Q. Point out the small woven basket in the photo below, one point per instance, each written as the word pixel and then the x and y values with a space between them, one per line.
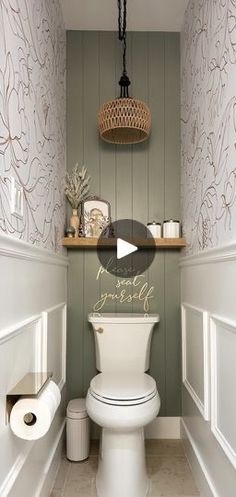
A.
pixel 124 121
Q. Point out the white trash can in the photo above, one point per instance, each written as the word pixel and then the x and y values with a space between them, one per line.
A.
pixel 77 430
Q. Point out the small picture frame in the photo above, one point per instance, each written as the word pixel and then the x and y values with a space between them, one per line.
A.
pixel 95 217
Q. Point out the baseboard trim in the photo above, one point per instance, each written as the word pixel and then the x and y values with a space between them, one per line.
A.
pixel 163 427
pixel 197 464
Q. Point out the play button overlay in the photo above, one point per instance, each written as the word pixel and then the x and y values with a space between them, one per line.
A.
pixel 124 248
pixel 121 248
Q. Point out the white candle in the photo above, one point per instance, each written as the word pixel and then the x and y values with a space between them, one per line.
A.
pixel 155 230
pixel 171 229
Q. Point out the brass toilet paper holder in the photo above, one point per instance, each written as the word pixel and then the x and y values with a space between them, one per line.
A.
pixel 30 385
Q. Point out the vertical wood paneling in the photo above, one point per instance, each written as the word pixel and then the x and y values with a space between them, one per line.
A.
pixel 124 154
pixel 91 105
pixel 138 182
pixel 124 161
pixel 75 153
pixel 171 210
pixel 140 157
pixel 156 146
pixel 107 88
pixel 107 84
pixel 91 47
pixel 91 294
pixel 75 326
pixel 156 195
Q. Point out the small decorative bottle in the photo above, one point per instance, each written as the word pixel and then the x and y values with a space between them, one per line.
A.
pixel 74 222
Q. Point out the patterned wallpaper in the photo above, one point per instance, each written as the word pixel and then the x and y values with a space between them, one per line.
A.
pixel 32 118
pixel 208 44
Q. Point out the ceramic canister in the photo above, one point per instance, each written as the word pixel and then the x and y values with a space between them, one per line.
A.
pixel 155 229
pixel 171 229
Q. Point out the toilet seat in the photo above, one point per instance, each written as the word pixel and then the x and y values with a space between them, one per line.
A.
pixel 123 389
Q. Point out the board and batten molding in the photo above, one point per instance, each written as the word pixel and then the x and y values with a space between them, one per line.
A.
pixel 24 334
pixel 223 383
pixel 14 471
pixel 39 360
pixel 54 321
pixel 197 329
pixel 197 463
pixel 208 283
pixel 35 289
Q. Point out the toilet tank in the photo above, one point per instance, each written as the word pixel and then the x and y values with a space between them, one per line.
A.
pixel 122 341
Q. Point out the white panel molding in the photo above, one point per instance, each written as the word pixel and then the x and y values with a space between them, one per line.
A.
pixel 204 407
pixel 40 364
pixel 44 341
pixel 221 438
pixel 14 472
pixel 62 306
pixel 197 463
pixel 223 253
pixel 17 328
pixel 49 472
pixel 64 342
pixel 12 247
pixel 38 351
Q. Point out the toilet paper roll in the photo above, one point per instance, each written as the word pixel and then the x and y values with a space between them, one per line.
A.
pixel 31 418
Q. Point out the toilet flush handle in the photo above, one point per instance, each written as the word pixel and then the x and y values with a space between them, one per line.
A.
pixel 99 330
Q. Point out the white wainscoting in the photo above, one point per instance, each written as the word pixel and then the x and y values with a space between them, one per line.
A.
pixel 20 352
pixel 208 290
pixel 33 297
pixel 195 356
pixel 223 388
pixel 54 320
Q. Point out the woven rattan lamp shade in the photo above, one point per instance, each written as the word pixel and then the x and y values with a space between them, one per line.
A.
pixel 124 121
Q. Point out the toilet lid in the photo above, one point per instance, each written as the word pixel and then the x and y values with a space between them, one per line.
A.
pixel 123 388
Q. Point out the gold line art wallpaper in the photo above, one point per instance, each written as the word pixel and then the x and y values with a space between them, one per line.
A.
pixel 209 124
pixel 32 119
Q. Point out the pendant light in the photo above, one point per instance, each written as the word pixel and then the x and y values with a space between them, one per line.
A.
pixel 124 120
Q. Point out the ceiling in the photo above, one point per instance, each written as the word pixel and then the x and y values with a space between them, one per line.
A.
pixel 142 15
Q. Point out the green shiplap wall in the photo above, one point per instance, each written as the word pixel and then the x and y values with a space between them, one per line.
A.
pixel 140 182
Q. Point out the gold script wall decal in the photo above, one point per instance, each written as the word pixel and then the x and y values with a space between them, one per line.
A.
pixel 126 290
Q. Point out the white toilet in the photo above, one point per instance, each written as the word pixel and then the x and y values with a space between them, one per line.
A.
pixel 122 399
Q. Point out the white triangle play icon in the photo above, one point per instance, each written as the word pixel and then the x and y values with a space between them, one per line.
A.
pixel 124 248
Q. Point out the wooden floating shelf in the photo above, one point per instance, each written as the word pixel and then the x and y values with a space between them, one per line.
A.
pixel 91 243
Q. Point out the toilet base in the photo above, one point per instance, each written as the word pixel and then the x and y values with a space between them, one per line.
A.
pixel 122 466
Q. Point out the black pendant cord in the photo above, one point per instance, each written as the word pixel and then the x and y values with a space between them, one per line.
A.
pixel 124 80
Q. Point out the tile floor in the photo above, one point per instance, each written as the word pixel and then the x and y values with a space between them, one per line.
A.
pixel 167 466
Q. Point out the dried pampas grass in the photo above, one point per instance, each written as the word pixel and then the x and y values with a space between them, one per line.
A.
pixel 77 187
